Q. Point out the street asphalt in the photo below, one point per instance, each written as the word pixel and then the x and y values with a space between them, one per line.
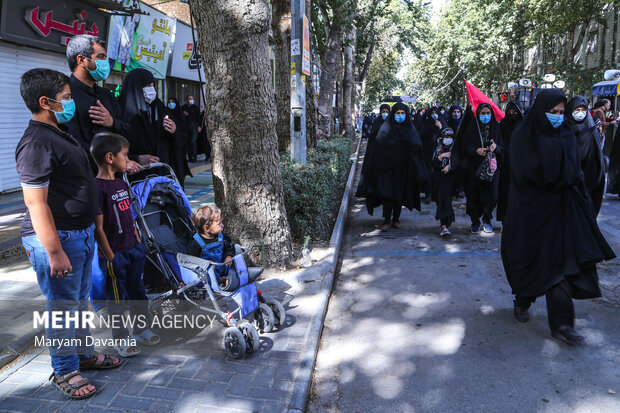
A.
pixel 417 323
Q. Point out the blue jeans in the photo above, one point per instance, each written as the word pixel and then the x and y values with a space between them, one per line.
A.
pixel 70 294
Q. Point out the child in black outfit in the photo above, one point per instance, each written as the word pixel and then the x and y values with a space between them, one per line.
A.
pixel 443 180
pixel 121 255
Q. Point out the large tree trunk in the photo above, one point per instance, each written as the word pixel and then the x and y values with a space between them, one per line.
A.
pixel 312 122
pixel 281 28
pixel 328 78
pixel 242 114
pixel 348 87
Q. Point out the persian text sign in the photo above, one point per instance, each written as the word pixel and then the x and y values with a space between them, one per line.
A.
pixel 185 55
pixel 306 56
pixel 50 24
pixel 141 41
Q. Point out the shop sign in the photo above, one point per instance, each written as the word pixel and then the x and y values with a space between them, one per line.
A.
pixel 185 55
pixel 50 24
pixel 141 41
pixel 306 55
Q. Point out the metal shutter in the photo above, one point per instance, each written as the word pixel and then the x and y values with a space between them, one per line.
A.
pixel 14 116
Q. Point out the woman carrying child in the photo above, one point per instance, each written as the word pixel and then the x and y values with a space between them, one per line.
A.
pixel 444 165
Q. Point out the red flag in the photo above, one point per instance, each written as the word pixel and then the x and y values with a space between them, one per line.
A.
pixel 476 97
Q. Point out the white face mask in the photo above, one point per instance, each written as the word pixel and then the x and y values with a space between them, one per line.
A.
pixel 448 141
pixel 579 115
pixel 150 94
pixel 191 101
pixel 384 115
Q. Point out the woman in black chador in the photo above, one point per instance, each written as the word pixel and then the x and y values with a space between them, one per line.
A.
pixel 514 115
pixel 550 242
pixel 430 125
pixel 384 110
pixel 394 168
pixel 152 126
pixel 482 145
pixel 613 174
pixel 580 121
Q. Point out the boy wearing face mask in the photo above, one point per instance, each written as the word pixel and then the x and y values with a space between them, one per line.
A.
pixel 58 230
pixel 444 165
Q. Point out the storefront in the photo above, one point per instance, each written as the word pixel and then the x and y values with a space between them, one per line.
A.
pixel 183 79
pixel 140 41
pixel 34 33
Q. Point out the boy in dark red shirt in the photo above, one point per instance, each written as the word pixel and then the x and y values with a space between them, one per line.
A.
pixel 121 255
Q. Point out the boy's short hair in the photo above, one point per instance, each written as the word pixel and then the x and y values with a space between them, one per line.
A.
pixel 106 142
pixel 205 216
pixel 39 82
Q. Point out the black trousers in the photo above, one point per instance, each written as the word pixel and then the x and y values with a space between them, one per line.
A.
pixel 481 201
pixel 391 210
pixel 560 309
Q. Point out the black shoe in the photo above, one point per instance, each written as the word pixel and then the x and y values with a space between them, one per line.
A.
pixel 568 335
pixel 521 314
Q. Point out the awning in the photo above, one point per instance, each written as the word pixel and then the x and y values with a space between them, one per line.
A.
pixel 607 88
pixel 122 7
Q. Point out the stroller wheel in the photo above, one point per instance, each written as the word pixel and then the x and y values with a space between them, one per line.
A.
pixel 252 340
pixel 234 342
pixel 263 318
pixel 278 312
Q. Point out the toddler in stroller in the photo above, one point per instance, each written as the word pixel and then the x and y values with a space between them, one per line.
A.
pixel 191 263
pixel 211 244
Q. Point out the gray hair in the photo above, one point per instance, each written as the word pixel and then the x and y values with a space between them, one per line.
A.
pixel 80 45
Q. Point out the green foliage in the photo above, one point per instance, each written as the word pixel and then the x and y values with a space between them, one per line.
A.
pixel 312 191
pixel 388 29
pixel 484 42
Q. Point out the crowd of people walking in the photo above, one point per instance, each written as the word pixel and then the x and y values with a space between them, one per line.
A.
pixel 541 170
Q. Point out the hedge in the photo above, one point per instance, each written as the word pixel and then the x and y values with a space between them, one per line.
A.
pixel 312 192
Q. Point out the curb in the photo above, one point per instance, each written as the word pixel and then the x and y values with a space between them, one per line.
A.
pixel 326 267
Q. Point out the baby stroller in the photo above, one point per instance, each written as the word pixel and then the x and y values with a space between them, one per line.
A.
pixel 164 220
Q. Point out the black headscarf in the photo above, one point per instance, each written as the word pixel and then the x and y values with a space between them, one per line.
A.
pixel 478 135
pixel 131 98
pixel 454 123
pixel 507 127
pixel 542 153
pixel 376 125
pixel 508 124
pixel 148 135
pixel 394 167
pixel 590 151
pixel 550 232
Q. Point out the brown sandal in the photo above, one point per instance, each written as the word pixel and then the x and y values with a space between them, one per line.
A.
pixel 106 363
pixel 69 389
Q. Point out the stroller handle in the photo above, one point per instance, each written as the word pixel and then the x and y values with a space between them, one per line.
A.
pixel 126 176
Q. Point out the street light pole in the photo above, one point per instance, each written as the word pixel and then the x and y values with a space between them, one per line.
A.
pixel 298 82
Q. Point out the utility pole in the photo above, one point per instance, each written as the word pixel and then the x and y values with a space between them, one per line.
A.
pixel 300 51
